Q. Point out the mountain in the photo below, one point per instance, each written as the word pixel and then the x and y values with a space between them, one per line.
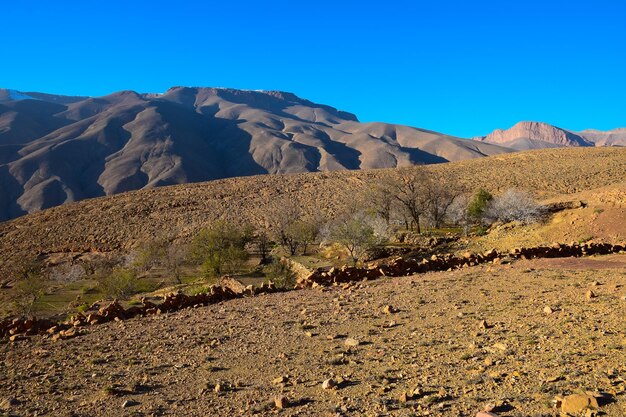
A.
pixel 57 149
pixel 537 135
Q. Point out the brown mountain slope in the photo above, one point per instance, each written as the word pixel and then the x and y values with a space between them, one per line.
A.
pixel 535 135
pixel 56 149
pixel 119 222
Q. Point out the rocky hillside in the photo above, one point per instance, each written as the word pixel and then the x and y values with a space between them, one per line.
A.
pixel 534 135
pixel 58 149
pixel 120 222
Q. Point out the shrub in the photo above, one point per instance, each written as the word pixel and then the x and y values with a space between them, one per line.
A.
pixel 27 292
pixel 119 283
pixel 281 274
pixel 514 205
pixel 220 248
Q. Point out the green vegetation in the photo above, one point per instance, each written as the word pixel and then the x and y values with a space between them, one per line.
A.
pixel 356 234
pixel 28 292
pixel 220 248
pixel 281 274
pixel 119 283
pixel 478 205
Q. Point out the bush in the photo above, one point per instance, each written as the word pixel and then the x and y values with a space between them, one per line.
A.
pixel 281 274
pixel 514 205
pixel 220 248
pixel 119 283
pixel 27 292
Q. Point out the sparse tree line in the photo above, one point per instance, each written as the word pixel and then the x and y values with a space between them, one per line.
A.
pixel 415 201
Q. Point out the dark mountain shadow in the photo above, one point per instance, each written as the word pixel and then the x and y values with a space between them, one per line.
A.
pixel 10 190
pixel 346 156
pixel 210 147
pixel 418 156
pixel 33 120
pixel 9 153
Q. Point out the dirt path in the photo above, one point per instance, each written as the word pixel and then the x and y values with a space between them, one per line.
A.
pixel 433 346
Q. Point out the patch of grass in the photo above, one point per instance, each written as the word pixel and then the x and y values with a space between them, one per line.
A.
pixel 82 308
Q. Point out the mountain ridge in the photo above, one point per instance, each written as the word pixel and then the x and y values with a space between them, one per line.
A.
pixel 56 149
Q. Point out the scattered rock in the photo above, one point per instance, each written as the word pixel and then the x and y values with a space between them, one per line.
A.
pixel 16 337
pixel 129 403
pixel 7 403
pixel 329 384
pixel 486 414
pixel 280 380
pixel 577 403
pixel 280 402
pixel 590 294
pixel 500 346
pixel 350 342
pixel 389 309
pixel 548 310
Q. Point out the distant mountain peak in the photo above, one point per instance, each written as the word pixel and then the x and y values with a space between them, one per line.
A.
pixel 533 135
pixel 7 94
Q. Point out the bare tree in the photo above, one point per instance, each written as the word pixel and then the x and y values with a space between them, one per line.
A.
pixel 458 213
pixel 380 198
pixel 410 191
pixel 292 229
pixel 439 197
pixel 175 258
pixel 514 205
pixel 355 233
pixel 281 220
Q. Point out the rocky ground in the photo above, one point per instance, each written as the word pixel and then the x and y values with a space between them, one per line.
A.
pixel 509 338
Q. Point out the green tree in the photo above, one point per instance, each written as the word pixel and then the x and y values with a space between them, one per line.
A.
pixel 478 204
pixel 27 292
pixel 150 255
pixel 119 283
pixel 220 248
pixel 303 233
pixel 356 234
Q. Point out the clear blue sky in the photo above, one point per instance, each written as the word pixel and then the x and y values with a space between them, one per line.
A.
pixel 459 67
